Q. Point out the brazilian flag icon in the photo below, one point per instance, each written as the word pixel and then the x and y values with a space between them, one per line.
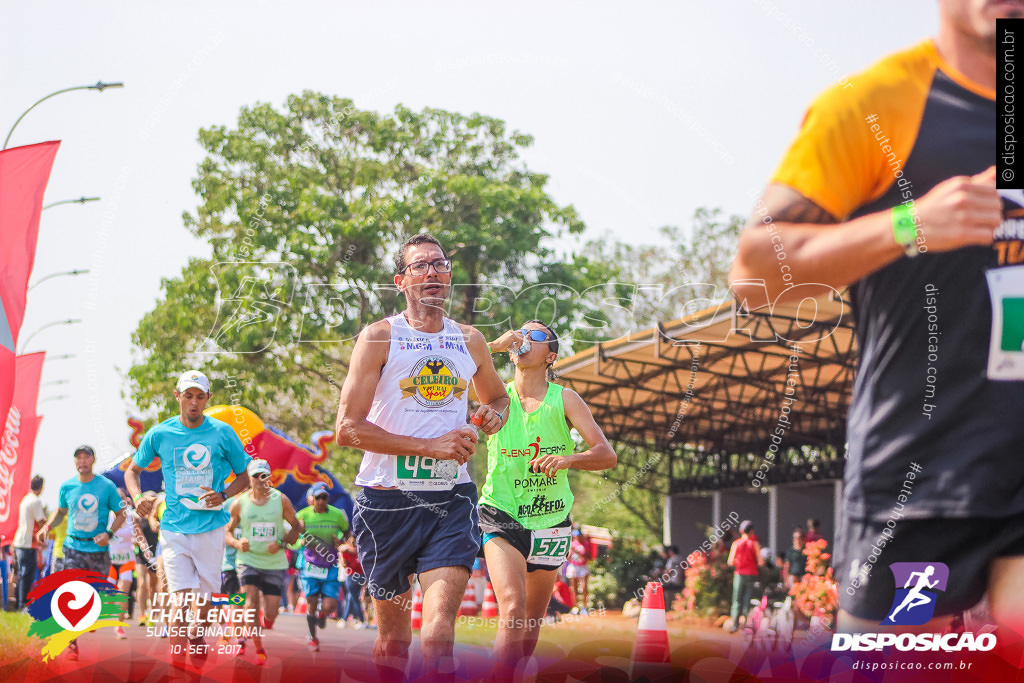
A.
pixel 237 599
pixel 1013 324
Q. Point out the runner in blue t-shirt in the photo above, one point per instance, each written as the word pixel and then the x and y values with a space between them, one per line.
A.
pixel 88 501
pixel 197 454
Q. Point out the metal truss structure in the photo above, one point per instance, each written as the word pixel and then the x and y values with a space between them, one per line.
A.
pixel 705 402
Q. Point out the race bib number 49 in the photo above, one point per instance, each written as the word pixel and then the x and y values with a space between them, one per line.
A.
pixel 417 473
pixel 550 546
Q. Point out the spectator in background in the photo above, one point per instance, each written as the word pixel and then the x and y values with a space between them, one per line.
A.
pixel 673 576
pixel 354 580
pixel 576 569
pixel 31 516
pixel 58 534
pixel 562 600
pixel 813 527
pixel 796 561
pixel 745 558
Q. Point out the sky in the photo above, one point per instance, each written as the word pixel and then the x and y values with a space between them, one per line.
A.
pixel 640 115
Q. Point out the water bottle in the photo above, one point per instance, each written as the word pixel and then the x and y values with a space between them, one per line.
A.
pixel 474 424
pixel 523 348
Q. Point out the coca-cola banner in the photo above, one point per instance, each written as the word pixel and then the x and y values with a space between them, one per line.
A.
pixel 18 441
pixel 24 172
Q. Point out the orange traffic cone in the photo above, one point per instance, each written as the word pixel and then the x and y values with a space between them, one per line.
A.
pixel 417 609
pixel 490 608
pixel 301 607
pixel 650 650
pixel 468 608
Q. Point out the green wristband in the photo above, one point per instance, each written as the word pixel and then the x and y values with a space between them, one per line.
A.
pixel 904 229
pixel 135 499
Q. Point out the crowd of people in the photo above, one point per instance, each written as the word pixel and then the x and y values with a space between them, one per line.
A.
pixel 219 528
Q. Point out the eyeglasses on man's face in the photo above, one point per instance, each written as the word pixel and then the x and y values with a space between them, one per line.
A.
pixel 441 265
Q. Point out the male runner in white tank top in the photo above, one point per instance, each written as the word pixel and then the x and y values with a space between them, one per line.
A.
pixel 405 403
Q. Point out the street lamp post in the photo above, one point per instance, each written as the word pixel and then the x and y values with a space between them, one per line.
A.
pixel 77 271
pixel 100 86
pixel 80 200
pixel 69 321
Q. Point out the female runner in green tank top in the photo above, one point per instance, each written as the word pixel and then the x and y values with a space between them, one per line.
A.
pixel 525 503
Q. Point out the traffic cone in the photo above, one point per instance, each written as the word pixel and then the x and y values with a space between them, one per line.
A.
pixel 468 608
pixel 650 650
pixel 301 607
pixel 490 608
pixel 417 609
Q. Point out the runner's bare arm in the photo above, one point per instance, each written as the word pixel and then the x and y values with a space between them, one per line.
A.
pixel 55 519
pixel 289 516
pixel 785 242
pixel 134 488
pixel 229 530
pixel 354 430
pixel 489 388
pixel 119 519
pixel 599 456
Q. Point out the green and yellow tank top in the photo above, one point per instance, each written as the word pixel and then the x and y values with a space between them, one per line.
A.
pixel 535 500
pixel 262 524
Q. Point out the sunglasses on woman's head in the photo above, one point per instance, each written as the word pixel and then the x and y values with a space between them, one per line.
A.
pixel 534 335
pixel 262 476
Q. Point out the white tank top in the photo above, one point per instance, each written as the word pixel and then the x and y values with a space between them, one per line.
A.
pixel 422 392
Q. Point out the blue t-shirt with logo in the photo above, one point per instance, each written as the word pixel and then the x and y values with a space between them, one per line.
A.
pixel 89 505
pixel 191 459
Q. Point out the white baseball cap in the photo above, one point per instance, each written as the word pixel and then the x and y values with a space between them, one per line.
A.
pixel 193 378
pixel 258 466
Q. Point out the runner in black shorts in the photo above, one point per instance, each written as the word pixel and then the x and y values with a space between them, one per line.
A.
pixel 889 190
pixel 525 504
pixel 405 403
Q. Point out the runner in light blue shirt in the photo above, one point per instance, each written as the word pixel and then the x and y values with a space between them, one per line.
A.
pixel 197 453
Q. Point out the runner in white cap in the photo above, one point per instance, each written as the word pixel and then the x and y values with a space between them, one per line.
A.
pixel 197 453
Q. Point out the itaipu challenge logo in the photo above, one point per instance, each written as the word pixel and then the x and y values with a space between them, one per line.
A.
pixel 72 602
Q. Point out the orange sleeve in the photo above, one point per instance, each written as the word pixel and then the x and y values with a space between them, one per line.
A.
pixel 857 135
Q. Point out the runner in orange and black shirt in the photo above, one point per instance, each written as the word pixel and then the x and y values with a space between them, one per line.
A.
pixel 889 190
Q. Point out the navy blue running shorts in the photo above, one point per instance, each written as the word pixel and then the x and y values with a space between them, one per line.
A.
pixel 400 533
pixel 864 551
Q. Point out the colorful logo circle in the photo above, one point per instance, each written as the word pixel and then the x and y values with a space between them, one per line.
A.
pixel 76 606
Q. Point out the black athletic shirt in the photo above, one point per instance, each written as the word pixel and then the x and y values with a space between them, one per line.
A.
pixel 888 136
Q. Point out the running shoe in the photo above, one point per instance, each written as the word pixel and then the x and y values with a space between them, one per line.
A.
pixel 261 657
pixel 119 633
pixel 241 646
pixel 342 623
pixel 313 643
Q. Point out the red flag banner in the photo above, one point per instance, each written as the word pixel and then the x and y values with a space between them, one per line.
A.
pixel 18 441
pixel 24 172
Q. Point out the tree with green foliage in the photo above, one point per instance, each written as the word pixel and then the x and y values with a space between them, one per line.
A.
pixel 304 209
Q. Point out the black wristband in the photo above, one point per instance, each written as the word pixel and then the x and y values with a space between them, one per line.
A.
pixel 222 494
